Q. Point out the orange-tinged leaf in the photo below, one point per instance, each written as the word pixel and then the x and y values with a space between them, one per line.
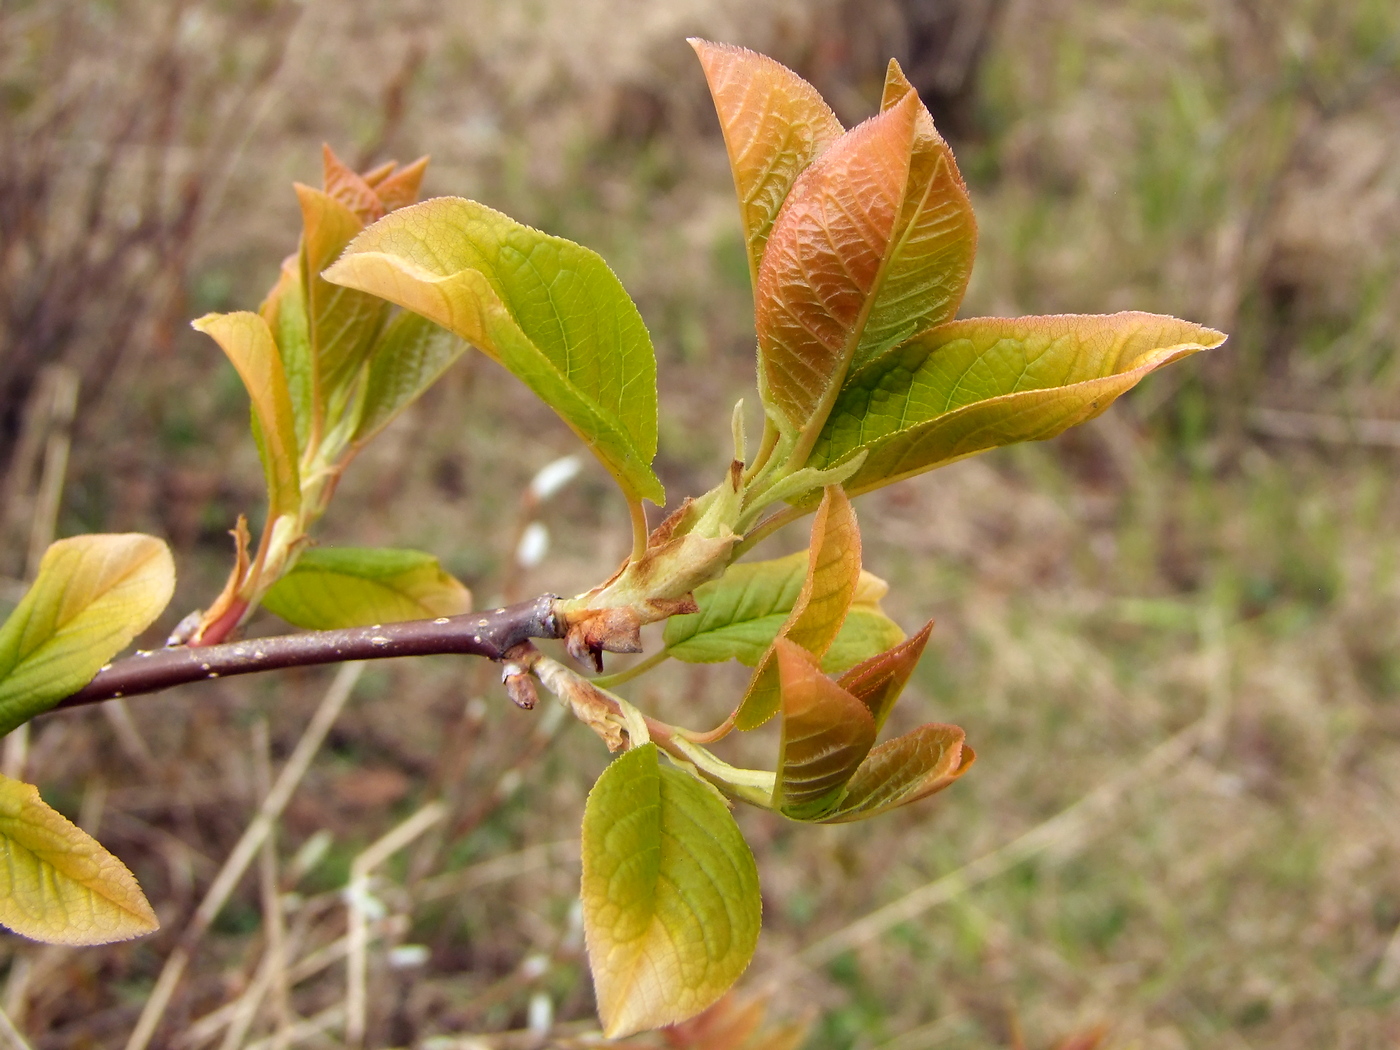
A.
pixel 833 573
pixel 57 884
pixel 376 175
pixel 823 263
pixel 826 734
pixel 878 681
pixel 284 310
pixel 775 124
pixel 935 240
pixel 343 322
pixel 400 189
pixel 904 770
pixel 968 386
pixel 342 184
pixel 247 341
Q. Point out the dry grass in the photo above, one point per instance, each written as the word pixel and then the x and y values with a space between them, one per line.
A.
pixel 1176 568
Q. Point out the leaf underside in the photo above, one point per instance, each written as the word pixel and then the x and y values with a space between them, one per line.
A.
pixel 903 770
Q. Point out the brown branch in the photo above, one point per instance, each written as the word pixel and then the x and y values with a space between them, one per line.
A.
pixel 490 634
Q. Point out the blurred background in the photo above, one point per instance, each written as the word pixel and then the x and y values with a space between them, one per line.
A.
pixel 1171 635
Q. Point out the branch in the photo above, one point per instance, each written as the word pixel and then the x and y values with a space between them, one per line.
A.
pixel 490 634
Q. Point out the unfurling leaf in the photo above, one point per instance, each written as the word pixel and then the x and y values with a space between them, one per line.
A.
pixel 903 770
pixel 968 386
pixel 878 681
pixel 343 322
pixel 92 596
pixel 742 612
pixel 775 124
pixel 247 341
pixel 823 263
pixel 670 895
pixel 57 884
pixel 826 734
pixel 549 310
pixel 284 310
pixel 332 587
pixel 408 358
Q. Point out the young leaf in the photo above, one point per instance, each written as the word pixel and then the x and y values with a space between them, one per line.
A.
pixel 671 906
pixel 878 681
pixel 929 260
pixel 332 587
pixel 826 734
pixel 823 263
pixel 833 572
pixel 57 884
pixel 398 189
pixel 968 386
pixel 284 310
pixel 775 124
pixel 865 632
pixel 408 358
pixel 245 338
pixel 903 770
pixel 93 594
pixel 548 309
pixel 343 322
pixel 743 611
pixel 346 186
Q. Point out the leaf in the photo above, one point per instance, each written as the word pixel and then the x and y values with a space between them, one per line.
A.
pixel 671 906
pixel 930 257
pixel 826 734
pixel 742 612
pixel 548 309
pixel 57 884
pixel 343 322
pixel 284 310
pixel 343 185
pixel 398 189
pixel 408 358
pixel 332 587
pixel 865 632
pixel 968 386
pixel 878 681
pixel 833 572
pixel 904 770
pixel 823 264
pixel 247 342
pixel 775 124
pixel 92 596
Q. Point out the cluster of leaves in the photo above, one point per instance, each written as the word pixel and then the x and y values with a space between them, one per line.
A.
pixel 860 245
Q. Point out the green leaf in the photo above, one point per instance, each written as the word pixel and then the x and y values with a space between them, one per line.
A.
pixel 245 338
pixel 57 884
pixel 826 733
pixel 743 611
pixel 902 771
pixel 332 587
pixel 878 681
pixel 833 574
pixel 548 309
pixel 92 596
pixel 865 632
pixel 671 906
pixel 408 358
pixel 775 124
pixel 968 386
pixel 343 322
pixel 284 310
